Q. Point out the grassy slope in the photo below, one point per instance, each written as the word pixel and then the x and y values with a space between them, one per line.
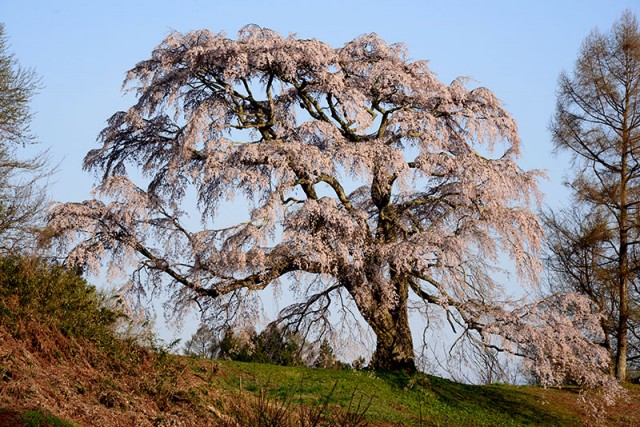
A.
pixel 59 360
pixel 396 399
pixel 77 386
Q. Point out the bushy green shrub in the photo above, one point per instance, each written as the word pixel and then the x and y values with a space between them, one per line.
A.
pixel 32 289
pixel 272 345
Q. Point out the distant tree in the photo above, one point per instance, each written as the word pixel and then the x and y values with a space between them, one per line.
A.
pixel 233 347
pixel 326 358
pixel 598 122
pixel 17 86
pixel 277 346
pixel 21 196
pixel 367 181
pixel 272 345
pixel 203 343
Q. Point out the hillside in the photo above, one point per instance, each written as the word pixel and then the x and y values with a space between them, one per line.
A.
pixel 50 374
pixel 61 364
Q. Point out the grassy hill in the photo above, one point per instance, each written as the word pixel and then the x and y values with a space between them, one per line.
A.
pixel 62 364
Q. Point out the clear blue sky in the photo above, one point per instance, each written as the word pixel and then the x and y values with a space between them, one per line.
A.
pixel 82 50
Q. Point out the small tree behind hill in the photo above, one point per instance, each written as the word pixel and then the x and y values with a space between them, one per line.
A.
pixel 204 343
pixel 325 357
pixel 272 345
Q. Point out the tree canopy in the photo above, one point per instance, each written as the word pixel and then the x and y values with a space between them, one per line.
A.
pixel 21 194
pixel 16 89
pixel 369 184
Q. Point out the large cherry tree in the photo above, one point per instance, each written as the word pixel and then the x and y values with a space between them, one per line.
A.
pixel 366 180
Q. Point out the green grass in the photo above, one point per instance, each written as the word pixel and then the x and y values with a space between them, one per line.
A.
pixel 395 399
pixel 38 419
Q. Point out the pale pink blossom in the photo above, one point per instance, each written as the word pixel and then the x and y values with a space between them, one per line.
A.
pixel 361 169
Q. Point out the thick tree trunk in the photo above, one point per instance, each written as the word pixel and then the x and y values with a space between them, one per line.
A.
pixel 390 323
pixel 388 319
pixel 394 345
pixel 607 345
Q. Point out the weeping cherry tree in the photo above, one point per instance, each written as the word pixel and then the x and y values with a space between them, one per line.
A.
pixel 368 184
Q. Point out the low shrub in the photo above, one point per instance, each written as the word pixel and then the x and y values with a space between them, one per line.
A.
pixel 33 290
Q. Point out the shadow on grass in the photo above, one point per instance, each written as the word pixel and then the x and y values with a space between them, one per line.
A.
pixel 401 399
pixel 505 401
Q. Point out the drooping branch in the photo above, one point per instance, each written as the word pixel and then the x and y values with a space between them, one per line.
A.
pixel 290 127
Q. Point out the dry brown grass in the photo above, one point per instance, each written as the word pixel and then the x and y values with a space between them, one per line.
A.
pixel 60 356
pixel 72 379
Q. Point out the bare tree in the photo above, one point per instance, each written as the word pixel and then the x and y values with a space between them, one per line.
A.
pixel 17 86
pixel 22 196
pixel 204 343
pixel 598 122
pixel 367 180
